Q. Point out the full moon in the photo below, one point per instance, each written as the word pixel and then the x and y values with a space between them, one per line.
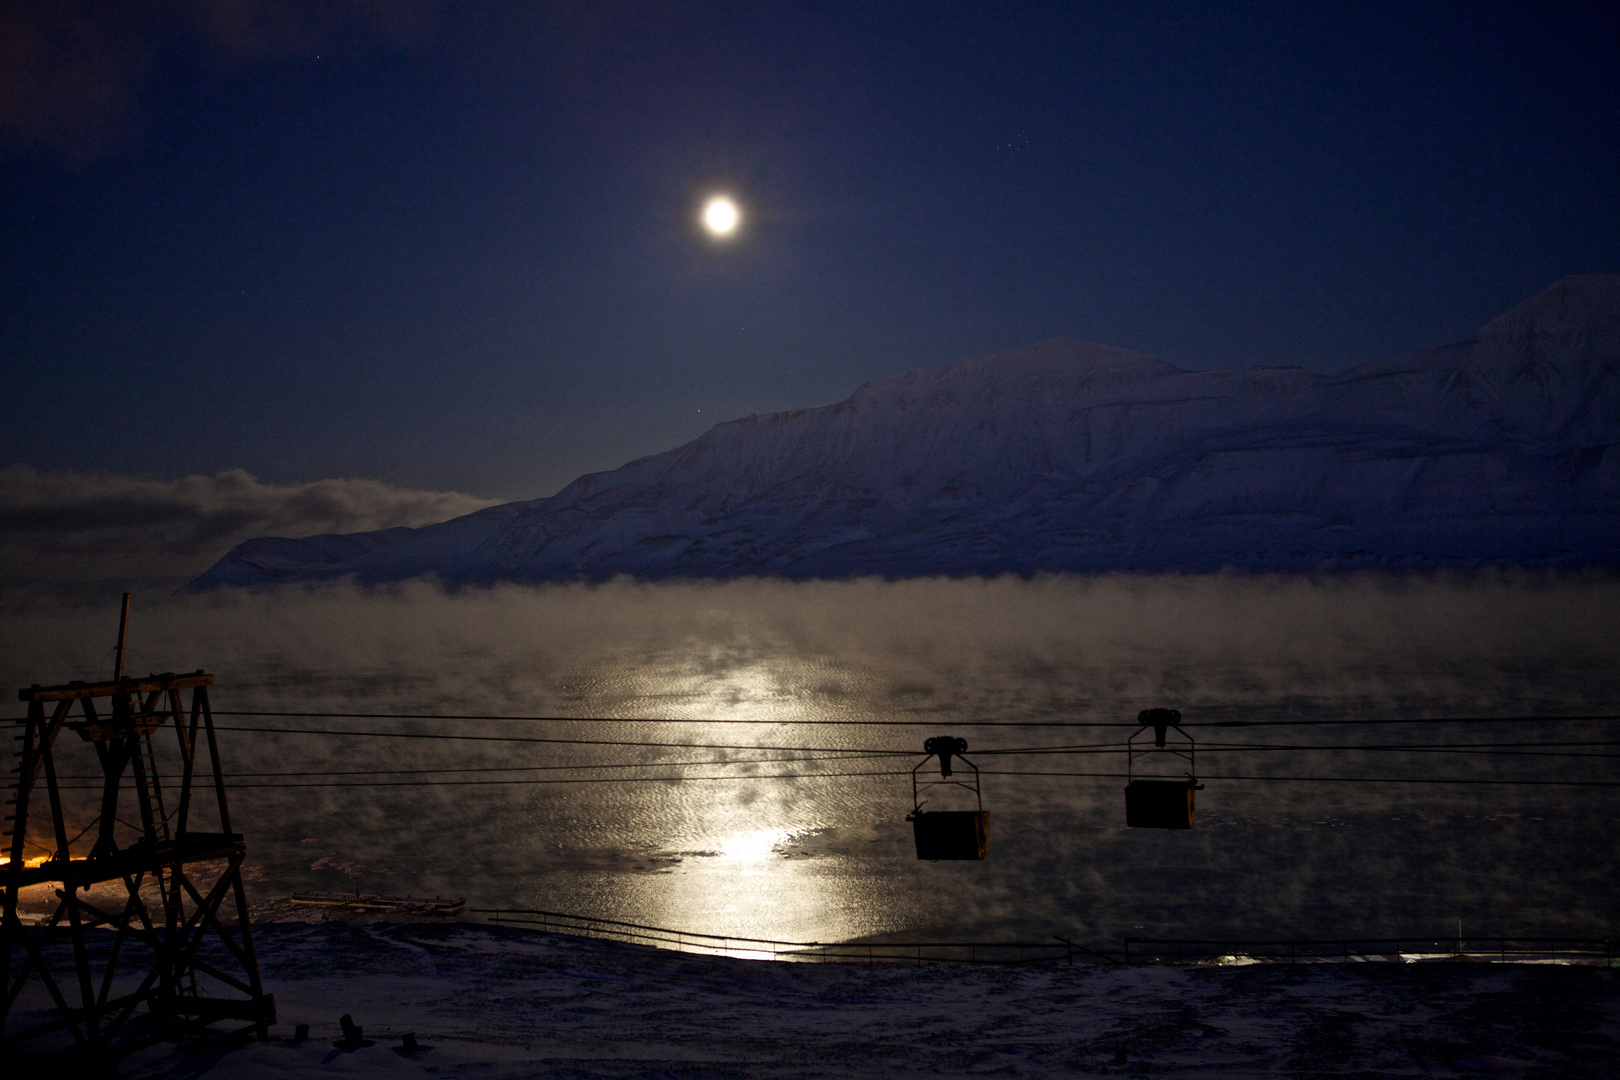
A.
pixel 720 216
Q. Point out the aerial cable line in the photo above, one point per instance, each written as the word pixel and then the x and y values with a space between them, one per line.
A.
pixel 1419 749
pixel 426 774
pixel 667 764
pixel 1085 747
pixel 1416 720
pixel 848 752
pixel 1355 779
pixel 913 723
pixel 932 722
pixel 574 766
pixel 1486 750
pixel 874 751
pixel 1415 746
pixel 672 720
pixel 1506 750
pixel 1465 781
pixel 559 780
pixel 1112 747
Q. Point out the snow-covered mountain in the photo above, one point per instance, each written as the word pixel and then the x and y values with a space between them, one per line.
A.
pixel 1504 448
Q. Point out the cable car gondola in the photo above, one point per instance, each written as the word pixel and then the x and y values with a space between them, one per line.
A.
pixel 1160 804
pixel 948 834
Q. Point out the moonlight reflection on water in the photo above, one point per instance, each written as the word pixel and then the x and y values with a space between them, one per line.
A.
pixel 831 859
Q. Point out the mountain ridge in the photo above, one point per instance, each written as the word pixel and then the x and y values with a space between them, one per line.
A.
pixel 1065 455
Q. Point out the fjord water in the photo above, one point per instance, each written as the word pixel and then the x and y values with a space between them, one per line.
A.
pixel 831 858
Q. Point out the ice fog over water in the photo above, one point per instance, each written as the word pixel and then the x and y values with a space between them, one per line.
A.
pixel 831 858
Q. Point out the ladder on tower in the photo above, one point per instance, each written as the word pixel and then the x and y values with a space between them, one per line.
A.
pixel 154 819
pixel 10 821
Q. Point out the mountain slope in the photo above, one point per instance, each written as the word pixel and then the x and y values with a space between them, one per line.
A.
pixel 1504 448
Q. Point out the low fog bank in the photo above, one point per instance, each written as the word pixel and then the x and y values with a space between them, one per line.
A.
pixel 830 859
pixel 72 536
pixel 1094 647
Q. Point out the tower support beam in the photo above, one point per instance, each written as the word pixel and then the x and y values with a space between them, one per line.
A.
pixel 138 917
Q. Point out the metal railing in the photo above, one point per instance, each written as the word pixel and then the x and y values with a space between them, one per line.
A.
pixel 1056 950
pixel 1137 950
pixel 1140 950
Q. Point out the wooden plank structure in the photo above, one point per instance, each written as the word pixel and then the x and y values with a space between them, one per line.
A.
pixel 157 950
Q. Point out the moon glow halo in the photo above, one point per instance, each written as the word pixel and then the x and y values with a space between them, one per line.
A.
pixel 720 216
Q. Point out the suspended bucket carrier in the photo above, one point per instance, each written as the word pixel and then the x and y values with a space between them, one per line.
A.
pixel 948 834
pixel 1153 803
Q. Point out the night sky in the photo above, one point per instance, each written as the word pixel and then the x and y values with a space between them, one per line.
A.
pixel 458 247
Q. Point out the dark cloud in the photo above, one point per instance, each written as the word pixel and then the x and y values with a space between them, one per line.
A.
pixel 68 72
pixel 72 72
pixel 276 28
pixel 78 532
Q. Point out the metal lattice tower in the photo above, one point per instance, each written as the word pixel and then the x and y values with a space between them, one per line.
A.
pixel 161 892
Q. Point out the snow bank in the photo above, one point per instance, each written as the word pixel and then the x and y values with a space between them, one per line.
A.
pixel 497 1003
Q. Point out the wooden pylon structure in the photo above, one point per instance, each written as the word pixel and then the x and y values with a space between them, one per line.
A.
pixel 158 883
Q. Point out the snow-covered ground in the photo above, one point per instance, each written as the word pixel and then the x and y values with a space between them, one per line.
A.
pixel 494 1002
